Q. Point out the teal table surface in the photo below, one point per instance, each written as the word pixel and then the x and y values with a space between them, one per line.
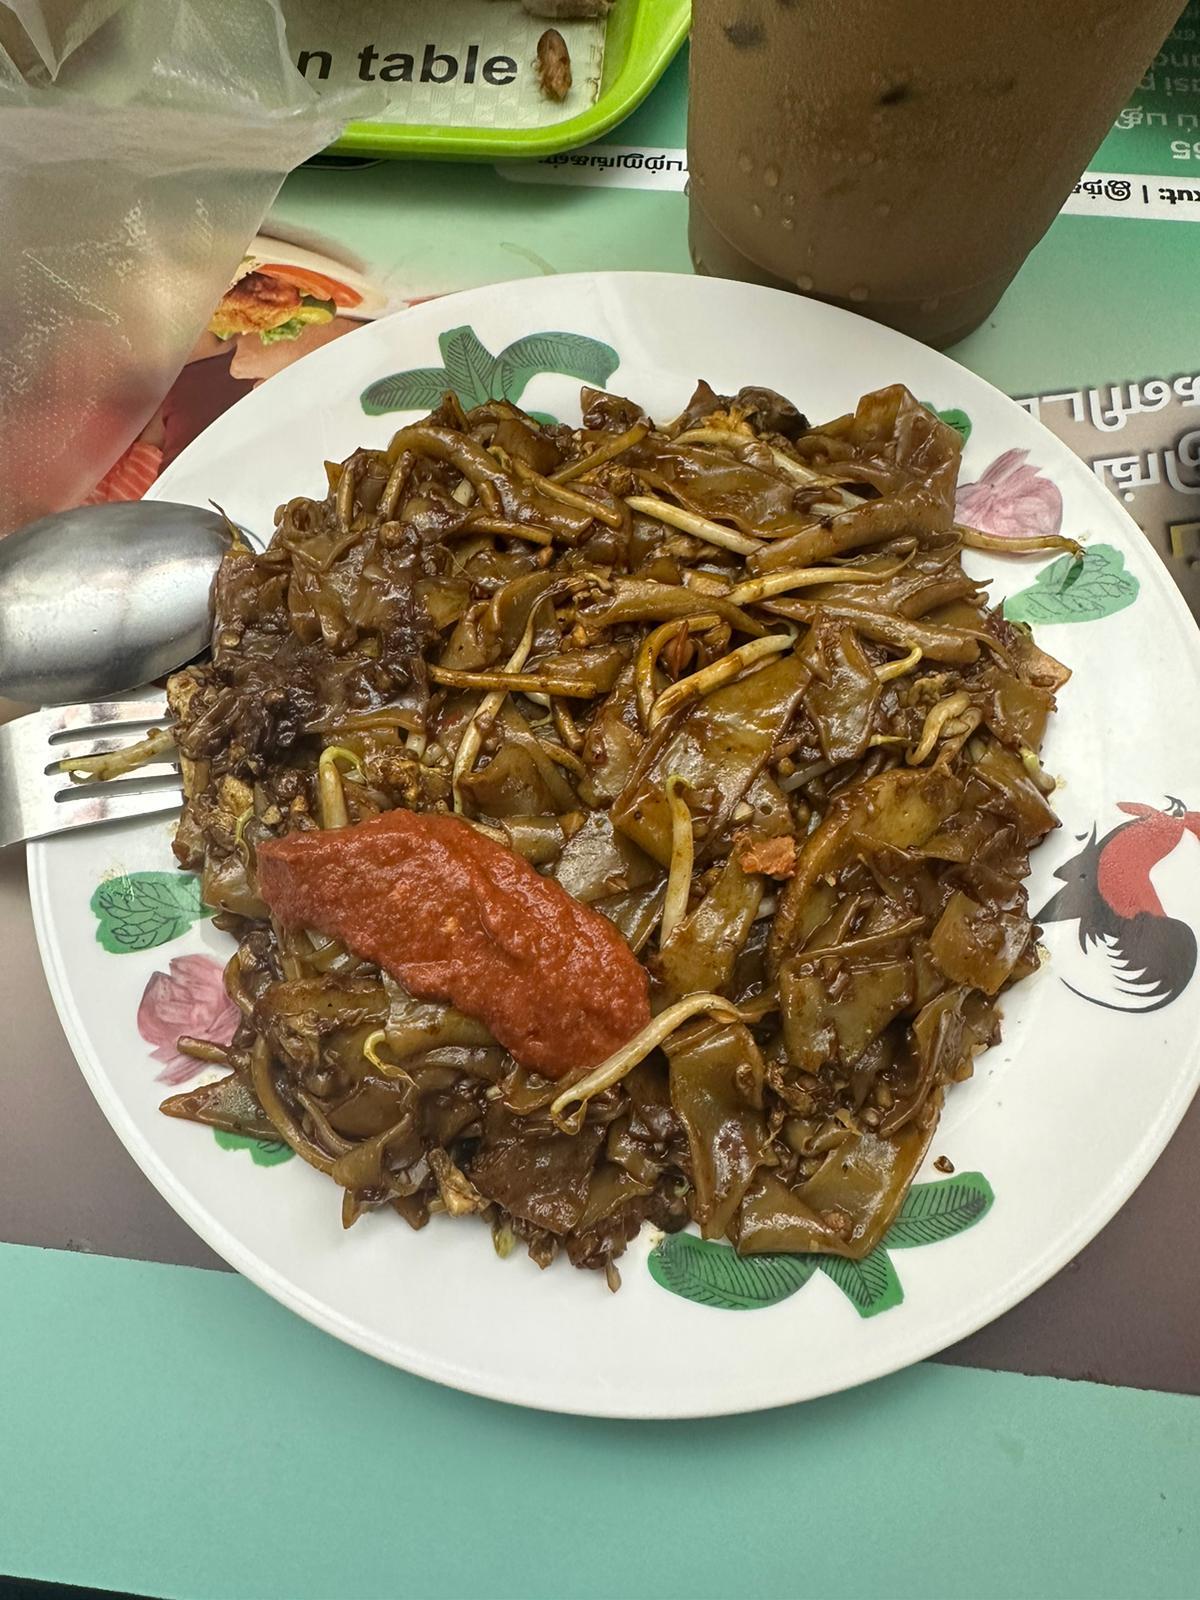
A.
pixel 174 1429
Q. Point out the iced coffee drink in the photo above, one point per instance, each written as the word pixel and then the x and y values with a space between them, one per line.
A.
pixel 900 157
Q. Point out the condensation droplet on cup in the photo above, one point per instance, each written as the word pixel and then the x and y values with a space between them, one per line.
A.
pixel 787 224
pixel 883 208
pixel 804 283
pixel 755 209
pixel 859 292
pixel 771 177
pixel 930 304
pixel 789 200
pixel 745 164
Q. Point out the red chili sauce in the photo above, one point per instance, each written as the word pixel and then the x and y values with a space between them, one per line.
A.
pixel 454 916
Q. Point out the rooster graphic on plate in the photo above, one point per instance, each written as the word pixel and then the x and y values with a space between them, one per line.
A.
pixel 1120 928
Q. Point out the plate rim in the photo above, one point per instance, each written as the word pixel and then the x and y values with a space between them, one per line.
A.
pixel 521 1389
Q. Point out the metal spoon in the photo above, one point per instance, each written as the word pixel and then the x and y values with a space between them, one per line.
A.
pixel 105 598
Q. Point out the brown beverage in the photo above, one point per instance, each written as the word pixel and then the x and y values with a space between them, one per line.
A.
pixel 900 157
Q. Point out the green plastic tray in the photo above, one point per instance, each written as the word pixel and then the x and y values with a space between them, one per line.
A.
pixel 641 38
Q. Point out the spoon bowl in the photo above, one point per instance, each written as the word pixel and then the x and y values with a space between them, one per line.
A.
pixel 105 598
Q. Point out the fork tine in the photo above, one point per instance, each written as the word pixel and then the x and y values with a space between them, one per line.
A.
pixel 63 720
pixel 36 798
pixel 96 808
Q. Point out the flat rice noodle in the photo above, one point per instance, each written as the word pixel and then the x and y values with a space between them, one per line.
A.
pixel 597 862
pixel 592 671
pixel 928 978
pixel 889 438
pixel 635 914
pixel 518 781
pixel 524 1091
pixel 646 600
pixel 332 1001
pixel 533 1171
pixel 727 1137
pixel 718 748
pixel 474 642
pixel 897 808
pixel 612 1187
pixel 725 488
pixel 1004 773
pixel 369 1109
pixel 940 1051
pixel 814 913
pixel 525 440
pixel 847 1206
pixel 634 1152
pixel 1016 711
pixel 910 575
pixel 818 1029
pixel 613 744
pixel 1034 664
pixel 870 522
pixel 649 1089
pixel 539 839
pixel 772 815
pixel 510 608
pixel 938 641
pixel 963 837
pixel 935 594
pixel 842 701
pixel 486 635
pixel 521 502
pixel 415 1026
pixel 699 955
pixel 229 1105
pixel 979 946
pixel 308 1018
pixel 453 1112
pixel 898 447
pixel 749 979
pixel 392 1160
pixel 225 886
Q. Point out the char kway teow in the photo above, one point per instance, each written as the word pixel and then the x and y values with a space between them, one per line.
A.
pixel 619 824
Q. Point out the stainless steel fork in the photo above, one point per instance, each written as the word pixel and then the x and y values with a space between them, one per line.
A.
pixel 37 796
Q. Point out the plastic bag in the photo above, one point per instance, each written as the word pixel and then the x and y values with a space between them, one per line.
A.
pixel 141 143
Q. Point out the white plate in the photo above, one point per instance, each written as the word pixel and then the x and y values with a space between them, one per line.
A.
pixel 1063 1118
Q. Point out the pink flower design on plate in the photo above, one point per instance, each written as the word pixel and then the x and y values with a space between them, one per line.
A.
pixel 1011 499
pixel 189 998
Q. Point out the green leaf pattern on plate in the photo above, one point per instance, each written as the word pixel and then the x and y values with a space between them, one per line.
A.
pixel 1076 591
pixel 571 353
pixel 477 376
pixel 958 420
pixel 711 1273
pixel 871 1285
pixel 935 1211
pixel 139 910
pixel 263 1152
pixel 421 389
pixel 471 370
